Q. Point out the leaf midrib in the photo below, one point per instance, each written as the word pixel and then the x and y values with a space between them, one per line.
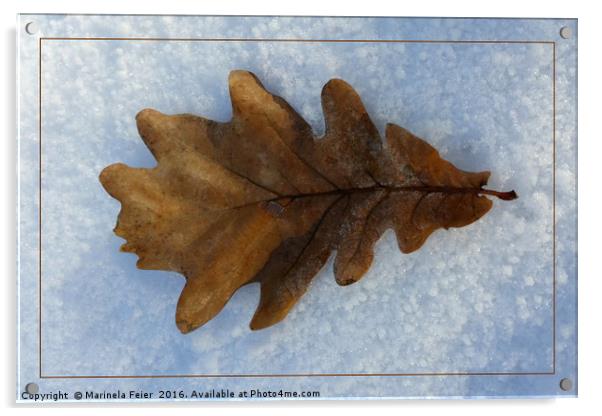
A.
pixel 410 188
pixel 427 189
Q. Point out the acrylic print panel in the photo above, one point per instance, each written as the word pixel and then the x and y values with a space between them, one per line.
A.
pixel 488 310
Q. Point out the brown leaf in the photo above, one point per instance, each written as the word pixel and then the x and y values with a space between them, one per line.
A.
pixel 260 199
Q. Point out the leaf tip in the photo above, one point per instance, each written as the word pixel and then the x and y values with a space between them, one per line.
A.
pixel 184 326
pixel 146 114
pixel 253 326
pixel 334 83
pixel 345 282
pixel 266 315
pixel 107 174
pixel 258 323
pixel 242 76
pixel 113 180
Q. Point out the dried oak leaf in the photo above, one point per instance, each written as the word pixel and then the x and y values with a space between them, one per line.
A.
pixel 260 199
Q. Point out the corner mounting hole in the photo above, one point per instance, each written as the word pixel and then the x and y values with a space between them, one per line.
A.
pixel 566 384
pixel 565 32
pixel 32 388
pixel 31 28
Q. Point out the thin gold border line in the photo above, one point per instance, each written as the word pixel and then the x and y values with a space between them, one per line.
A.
pixel 304 40
pixel 554 206
pixel 465 374
pixel 553 43
pixel 40 208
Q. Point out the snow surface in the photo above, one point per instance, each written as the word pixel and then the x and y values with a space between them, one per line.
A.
pixel 477 299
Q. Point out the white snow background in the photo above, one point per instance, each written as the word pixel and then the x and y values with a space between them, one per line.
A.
pixel 476 299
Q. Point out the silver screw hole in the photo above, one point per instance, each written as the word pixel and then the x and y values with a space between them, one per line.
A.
pixel 566 384
pixel 31 28
pixel 565 32
pixel 32 388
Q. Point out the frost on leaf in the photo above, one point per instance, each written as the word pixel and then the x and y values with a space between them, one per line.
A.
pixel 261 199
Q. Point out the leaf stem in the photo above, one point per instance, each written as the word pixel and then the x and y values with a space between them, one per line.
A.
pixel 506 196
